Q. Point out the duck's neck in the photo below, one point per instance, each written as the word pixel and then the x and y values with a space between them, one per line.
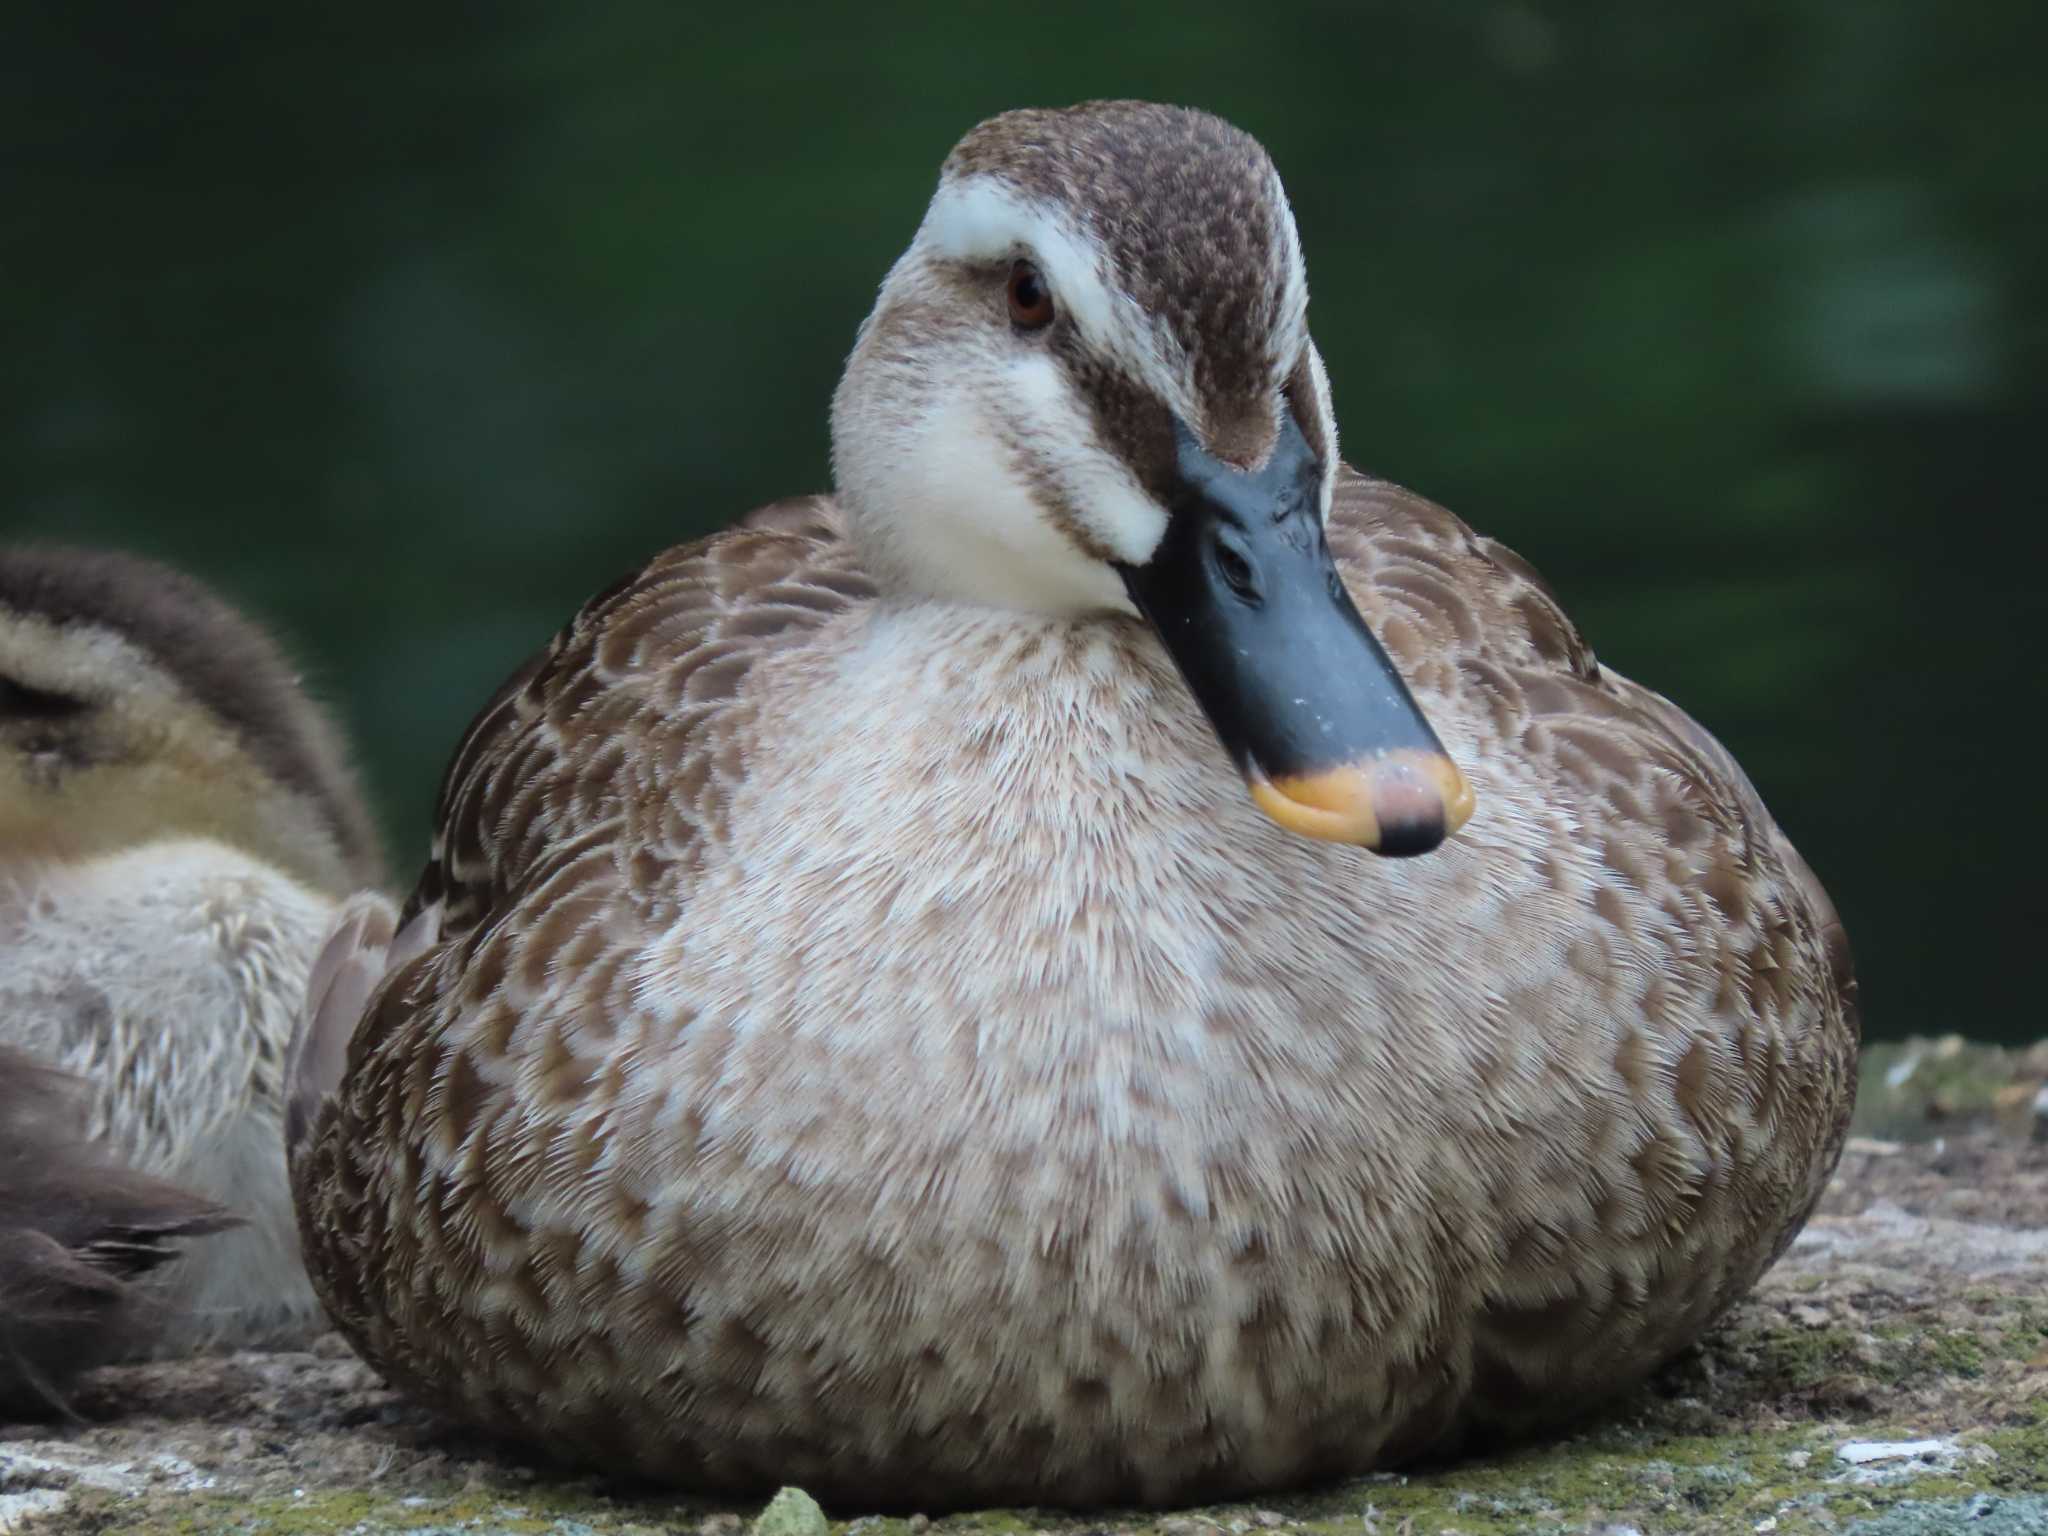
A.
pixel 957 562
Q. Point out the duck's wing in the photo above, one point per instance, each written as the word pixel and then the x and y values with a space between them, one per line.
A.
pixel 79 1236
pixel 535 785
pixel 1441 596
pixel 1492 656
pixel 607 740
pixel 1662 827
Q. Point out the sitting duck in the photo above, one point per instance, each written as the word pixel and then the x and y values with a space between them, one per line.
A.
pixel 177 823
pixel 1113 959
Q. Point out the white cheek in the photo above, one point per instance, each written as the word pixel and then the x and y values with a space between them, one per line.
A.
pixel 965 526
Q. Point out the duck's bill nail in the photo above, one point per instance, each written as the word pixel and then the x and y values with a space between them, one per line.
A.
pixel 1247 599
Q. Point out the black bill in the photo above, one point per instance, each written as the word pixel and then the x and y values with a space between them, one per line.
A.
pixel 1246 597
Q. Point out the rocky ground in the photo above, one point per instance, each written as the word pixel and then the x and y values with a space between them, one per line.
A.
pixel 1888 1378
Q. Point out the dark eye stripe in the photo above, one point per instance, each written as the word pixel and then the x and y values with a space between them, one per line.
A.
pixel 18 701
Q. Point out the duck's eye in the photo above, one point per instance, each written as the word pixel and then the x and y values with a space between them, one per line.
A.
pixel 18 701
pixel 1030 299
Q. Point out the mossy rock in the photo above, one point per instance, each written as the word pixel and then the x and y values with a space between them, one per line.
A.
pixel 1869 1330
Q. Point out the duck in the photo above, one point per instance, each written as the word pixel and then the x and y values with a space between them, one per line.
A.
pixel 81 1241
pixel 178 822
pixel 1111 960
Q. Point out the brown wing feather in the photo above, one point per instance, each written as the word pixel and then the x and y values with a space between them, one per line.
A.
pixel 1688 901
pixel 689 623
pixel 1472 624
pixel 1442 596
pixel 79 1235
pixel 603 763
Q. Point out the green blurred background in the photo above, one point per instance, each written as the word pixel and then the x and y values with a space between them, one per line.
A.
pixel 409 326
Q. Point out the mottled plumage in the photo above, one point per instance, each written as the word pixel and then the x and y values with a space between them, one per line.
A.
pixel 855 1033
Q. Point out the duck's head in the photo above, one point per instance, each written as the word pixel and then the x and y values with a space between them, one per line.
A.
pixel 135 707
pixel 1089 386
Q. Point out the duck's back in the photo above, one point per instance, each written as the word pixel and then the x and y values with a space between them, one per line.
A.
pixel 1713 1073
pixel 877 1046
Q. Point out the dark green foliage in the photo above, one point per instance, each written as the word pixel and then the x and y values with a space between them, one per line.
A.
pixel 410 327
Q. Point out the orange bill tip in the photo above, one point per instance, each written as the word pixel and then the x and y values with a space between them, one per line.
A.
pixel 1396 803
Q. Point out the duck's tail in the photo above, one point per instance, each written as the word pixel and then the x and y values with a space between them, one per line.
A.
pixel 79 1235
pixel 352 960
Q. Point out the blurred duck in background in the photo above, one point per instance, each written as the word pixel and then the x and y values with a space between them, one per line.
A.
pixel 177 820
